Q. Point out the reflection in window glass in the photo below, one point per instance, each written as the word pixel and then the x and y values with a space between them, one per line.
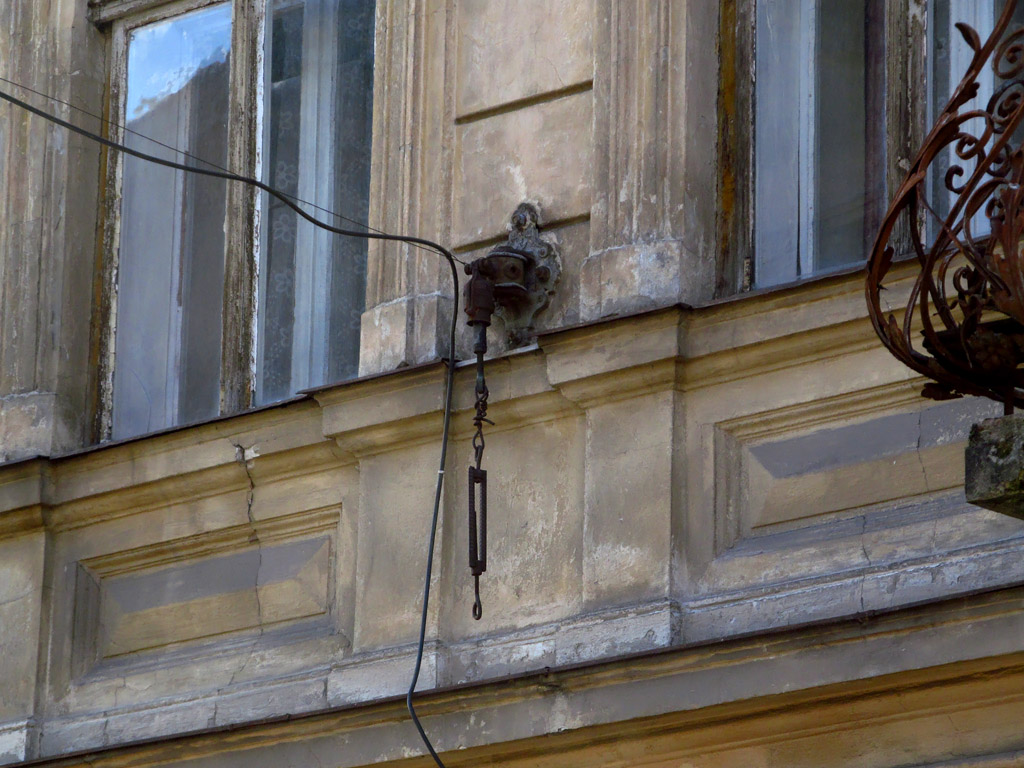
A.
pixel 819 135
pixel 171 258
pixel 319 87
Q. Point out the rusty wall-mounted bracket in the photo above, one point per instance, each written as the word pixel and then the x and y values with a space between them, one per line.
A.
pixel 514 281
pixel 524 270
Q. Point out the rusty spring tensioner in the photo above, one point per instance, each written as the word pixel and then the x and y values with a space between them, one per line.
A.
pixel 478 295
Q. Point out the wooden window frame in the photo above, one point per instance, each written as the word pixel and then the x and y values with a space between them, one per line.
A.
pixel 905 96
pixel 242 205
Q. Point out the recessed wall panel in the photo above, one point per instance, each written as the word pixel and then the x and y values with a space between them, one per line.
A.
pixel 207 588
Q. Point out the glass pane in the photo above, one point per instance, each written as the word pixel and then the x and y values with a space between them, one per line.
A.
pixel 277 270
pixel 819 159
pixel 841 194
pixel 319 89
pixel 777 140
pixel 171 262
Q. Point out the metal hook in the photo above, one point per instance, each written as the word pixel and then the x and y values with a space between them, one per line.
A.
pixel 478 608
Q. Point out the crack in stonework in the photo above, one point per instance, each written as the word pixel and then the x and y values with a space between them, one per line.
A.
pixel 21 596
pixel 121 687
pixel 867 557
pixel 863 543
pixel 316 758
pixel 917 451
pixel 240 457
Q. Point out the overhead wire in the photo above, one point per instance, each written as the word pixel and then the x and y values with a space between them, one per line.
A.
pixel 374 234
pixel 280 194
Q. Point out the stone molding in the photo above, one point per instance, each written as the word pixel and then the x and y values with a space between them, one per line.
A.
pixel 48 221
pixel 672 348
pixel 622 435
pixel 847 685
pixel 408 295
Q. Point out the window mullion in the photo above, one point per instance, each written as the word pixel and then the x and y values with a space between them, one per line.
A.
pixel 178 214
pixel 110 250
pixel 906 96
pixel 241 216
pixel 808 111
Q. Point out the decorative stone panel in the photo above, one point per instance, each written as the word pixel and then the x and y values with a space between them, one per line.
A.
pixel 240 579
pixel 513 50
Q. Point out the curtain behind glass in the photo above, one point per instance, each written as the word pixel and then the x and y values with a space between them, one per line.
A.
pixel 319 90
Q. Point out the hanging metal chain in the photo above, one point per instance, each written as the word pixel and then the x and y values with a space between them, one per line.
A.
pixel 479 298
pixel 478 482
pixel 481 411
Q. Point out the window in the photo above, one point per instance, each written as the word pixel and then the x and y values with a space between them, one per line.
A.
pixel 192 255
pixel 824 104
pixel 819 135
pixel 171 275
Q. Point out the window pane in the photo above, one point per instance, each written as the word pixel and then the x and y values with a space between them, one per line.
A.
pixel 171 263
pixel 819 135
pixel 312 284
pixel 777 201
pixel 840 131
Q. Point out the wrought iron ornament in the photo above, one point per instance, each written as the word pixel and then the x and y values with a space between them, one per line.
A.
pixel 963 325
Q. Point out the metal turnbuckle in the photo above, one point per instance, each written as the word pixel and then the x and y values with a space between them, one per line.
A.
pixel 477 532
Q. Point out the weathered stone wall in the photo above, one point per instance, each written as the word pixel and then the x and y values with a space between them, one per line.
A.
pixel 579 108
pixel 796 698
pixel 656 481
pixel 746 497
pixel 47 228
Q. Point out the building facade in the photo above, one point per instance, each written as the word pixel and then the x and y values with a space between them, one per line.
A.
pixel 725 529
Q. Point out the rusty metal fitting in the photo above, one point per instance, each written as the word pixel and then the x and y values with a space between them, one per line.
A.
pixel 478 293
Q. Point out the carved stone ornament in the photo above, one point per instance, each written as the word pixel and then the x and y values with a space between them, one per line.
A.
pixel 525 271
pixel 963 324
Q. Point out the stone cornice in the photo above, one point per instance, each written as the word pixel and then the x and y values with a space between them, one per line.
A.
pixel 576 368
pixel 23 502
pixel 853 674
pixel 177 467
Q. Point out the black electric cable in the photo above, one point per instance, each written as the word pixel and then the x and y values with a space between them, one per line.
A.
pixel 117 126
pixel 449 378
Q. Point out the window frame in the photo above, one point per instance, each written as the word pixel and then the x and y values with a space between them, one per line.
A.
pixel 905 97
pixel 244 207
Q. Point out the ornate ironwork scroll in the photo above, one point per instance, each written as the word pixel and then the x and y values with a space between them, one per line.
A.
pixel 963 325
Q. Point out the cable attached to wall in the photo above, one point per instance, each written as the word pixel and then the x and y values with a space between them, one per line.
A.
pixel 293 203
